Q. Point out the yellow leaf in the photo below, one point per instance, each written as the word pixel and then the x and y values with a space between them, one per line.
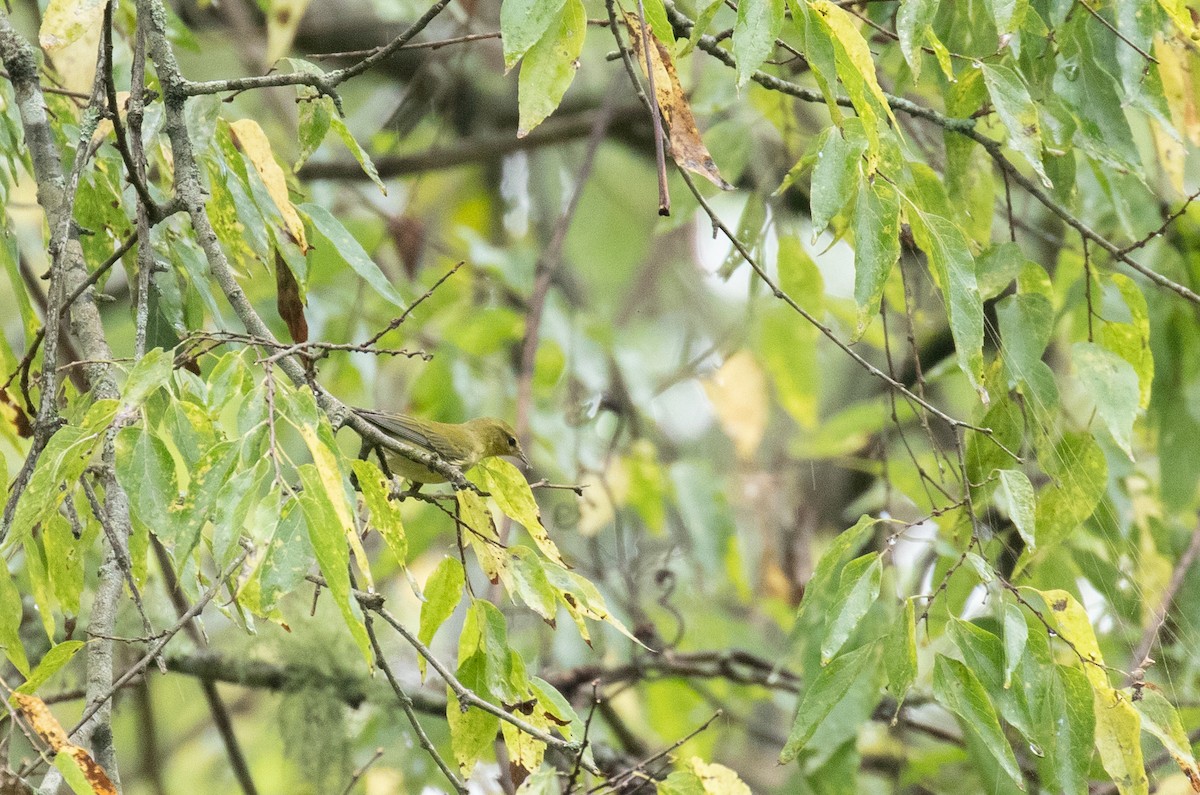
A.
pixel 687 147
pixel 69 35
pixel 67 21
pixel 331 480
pixel 511 492
pixel 480 532
pixel 251 139
pixel 718 779
pixel 1118 725
pixel 1176 62
pixel 738 392
pixel 282 21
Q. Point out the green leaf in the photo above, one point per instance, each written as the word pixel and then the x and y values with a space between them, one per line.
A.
pixel 956 688
pixel 1078 472
pixel 1083 83
pixel 855 66
pixel 1068 717
pixel 146 471
pixel 360 155
pixel 443 592
pixel 350 250
pixel 313 427
pixel 10 623
pixel 61 463
pixel 820 53
pixel 511 492
pixel 1118 726
pixel 900 653
pixel 1016 110
pixel 1113 385
pixel 482 536
pixel 1015 495
pixel 550 66
pixel 288 557
pixel 329 543
pixel 660 24
pixel 953 269
pixel 40 587
pixel 829 567
pixel 523 23
pixel 856 594
pixel 1026 323
pixel 834 175
pixel 385 514
pixel 829 687
pixel 1016 633
pixel 186 517
pixel 315 118
pixel 680 782
pixel 754 33
pixel 58 656
pixel 150 373
pixel 484 633
pixel 472 731
pixel 64 558
pixel 1131 341
pixel 583 600
pixel 876 247
pixel 1160 718
pixel 1008 15
pixel 913 19
pixel 531 585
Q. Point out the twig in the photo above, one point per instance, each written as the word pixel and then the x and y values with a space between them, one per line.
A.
pixel 119 552
pixel 1096 15
pixel 547 265
pixel 468 697
pixel 1141 654
pixel 216 704
pixel 325 83
pixel 362 770
pixel 396 322
pixel 616 781
pixel 828 332
pixel 406 704
pixel 158 645
pixel 664 196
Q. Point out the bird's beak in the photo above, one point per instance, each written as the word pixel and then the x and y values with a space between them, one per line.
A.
pixel 525 461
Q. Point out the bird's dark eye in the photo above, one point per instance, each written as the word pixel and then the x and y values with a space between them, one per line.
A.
pixel 512 442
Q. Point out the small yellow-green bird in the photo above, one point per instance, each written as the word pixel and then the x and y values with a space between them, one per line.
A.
pixel 463 444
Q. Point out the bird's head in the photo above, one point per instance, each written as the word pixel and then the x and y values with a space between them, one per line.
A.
pixel 498 438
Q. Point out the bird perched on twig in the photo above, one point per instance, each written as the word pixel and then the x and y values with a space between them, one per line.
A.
pixel 461 444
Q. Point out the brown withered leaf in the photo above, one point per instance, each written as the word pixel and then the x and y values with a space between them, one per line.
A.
pixel 408 235
pixel 42 721
pixel 686 146
pixel 11 410
pixel 288 300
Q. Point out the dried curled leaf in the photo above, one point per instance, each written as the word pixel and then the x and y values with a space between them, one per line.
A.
pixel 686 146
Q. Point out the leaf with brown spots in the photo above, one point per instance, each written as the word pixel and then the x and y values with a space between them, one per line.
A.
pixel 686 146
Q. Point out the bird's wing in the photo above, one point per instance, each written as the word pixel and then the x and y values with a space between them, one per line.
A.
pixel 403 428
